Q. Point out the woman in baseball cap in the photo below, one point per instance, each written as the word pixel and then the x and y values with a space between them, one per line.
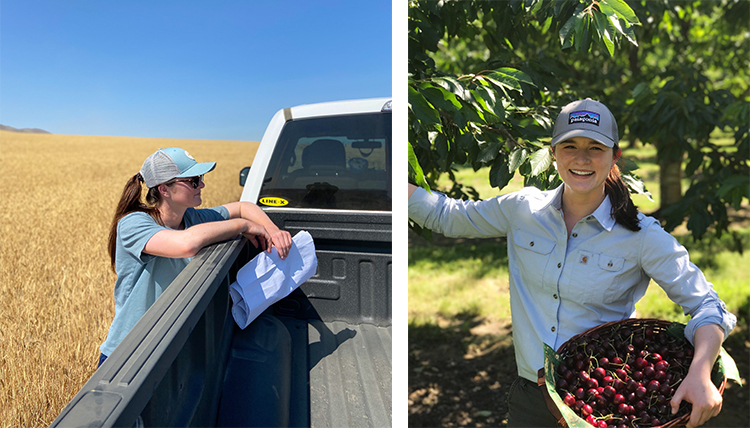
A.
pixel 581 255
pixel 151 242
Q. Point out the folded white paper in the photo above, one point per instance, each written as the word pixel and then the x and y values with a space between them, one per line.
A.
pixel 267 278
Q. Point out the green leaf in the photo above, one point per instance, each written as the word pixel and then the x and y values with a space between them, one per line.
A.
pixel 488 151
pixel 509 78
pixel 417 169
pixel 621 9
pixel 517 74
pixel 540 161
pixel 423 110
pixel 636 185
pixel 487 98
pixel 728 366
pixel 602 27
pixel 453 85
pixel 517 157
pixel 732 182
pixel 567 31
pixel 499 173
pixel 440 98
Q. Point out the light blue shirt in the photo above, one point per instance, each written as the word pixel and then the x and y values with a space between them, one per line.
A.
pixel 141 277
pixel 561 286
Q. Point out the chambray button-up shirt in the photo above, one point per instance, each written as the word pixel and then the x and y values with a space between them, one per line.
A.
pixel 561 286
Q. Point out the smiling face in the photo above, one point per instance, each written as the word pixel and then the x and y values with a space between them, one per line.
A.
pixel 583 165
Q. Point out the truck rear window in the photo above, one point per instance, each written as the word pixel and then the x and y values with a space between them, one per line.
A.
pixel 335 162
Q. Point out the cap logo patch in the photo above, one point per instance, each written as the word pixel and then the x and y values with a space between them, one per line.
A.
pixel 192 158
pixel 584 117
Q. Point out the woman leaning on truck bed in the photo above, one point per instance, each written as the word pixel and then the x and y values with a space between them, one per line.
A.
pixel 582 255
pixel 150 243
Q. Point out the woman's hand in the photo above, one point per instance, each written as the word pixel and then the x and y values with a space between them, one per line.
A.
pixel 257 235
pixel 697 387
pixel 701 392
pixel 282 240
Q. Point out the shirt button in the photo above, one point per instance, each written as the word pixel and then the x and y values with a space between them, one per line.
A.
pixel 559 265
pixel 553 329
pixel 531 244
pixel 555 296
pixel 575 235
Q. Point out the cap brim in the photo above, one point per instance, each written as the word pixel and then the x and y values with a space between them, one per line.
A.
pixel 596 136
pixel 198 169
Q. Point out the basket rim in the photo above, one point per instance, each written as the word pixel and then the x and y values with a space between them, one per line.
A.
pixel 677 422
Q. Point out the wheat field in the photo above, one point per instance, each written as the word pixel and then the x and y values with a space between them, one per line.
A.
pixel 57 200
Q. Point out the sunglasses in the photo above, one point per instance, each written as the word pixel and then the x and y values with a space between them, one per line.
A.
pixel 194 181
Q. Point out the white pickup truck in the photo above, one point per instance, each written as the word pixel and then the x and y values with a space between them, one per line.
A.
pixel 320 357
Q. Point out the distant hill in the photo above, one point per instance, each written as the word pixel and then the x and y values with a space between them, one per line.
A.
pixel 27 130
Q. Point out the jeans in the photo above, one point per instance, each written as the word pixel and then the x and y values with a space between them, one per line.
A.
pixel 102 357
pixel 526 406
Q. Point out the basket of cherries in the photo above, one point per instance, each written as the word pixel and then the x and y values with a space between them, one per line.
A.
pixel 623 374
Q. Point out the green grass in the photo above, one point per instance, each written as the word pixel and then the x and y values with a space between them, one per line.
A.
pixel 456 281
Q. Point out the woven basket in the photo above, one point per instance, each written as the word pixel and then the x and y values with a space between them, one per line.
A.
pixel 634 323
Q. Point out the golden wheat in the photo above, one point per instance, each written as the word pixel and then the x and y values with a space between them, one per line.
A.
pixel 57 199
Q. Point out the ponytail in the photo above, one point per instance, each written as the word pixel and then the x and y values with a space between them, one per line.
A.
pixel 623 209
pixel 130 201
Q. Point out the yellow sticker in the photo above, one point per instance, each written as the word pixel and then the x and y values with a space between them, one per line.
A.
pixel 274 202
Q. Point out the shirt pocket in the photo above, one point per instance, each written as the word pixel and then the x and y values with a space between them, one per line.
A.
pixel 596 278
pixel 533 253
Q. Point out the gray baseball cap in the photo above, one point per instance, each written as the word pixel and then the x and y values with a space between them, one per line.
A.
pixel 173 162
pixel 586 118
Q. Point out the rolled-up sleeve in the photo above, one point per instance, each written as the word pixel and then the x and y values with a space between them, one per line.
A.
pixel 668 264
pixel 465 219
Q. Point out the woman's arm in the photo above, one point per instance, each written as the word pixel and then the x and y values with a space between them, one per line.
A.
pixel 412 188
pixel 280 239
pixel 697 387
pixel 187 243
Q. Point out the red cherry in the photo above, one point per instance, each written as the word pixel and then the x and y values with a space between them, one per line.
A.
pixel 654 385
pixel 623 409
pixel 648 372
pixel 609 392
pixel 586 410
pixel 599 373
pixel 569 399
pixel 640 392
pixel 621 374
pixel 580 393
pixel 618 399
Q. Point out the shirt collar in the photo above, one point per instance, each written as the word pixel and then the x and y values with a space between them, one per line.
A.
pixel 603 214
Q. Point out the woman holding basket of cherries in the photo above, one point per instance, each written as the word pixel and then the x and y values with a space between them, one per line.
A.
pixel 582 255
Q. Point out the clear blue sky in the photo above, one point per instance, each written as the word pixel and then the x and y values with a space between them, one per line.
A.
pixel 185 69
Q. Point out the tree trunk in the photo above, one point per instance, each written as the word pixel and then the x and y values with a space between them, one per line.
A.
pixel 670 180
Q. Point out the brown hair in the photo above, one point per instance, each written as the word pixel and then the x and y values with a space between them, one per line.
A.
pixel 623 209
pixel 130 201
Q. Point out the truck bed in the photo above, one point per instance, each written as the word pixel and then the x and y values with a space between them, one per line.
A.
pixel 343 375
pixel 186 363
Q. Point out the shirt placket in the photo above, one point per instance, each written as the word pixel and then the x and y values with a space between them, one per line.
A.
pixel 553 274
